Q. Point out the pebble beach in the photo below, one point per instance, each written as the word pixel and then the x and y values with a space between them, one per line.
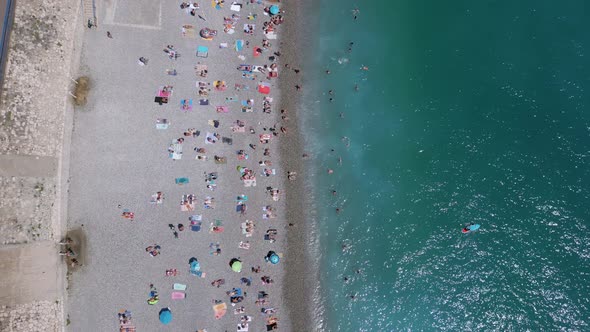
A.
pixel 192 160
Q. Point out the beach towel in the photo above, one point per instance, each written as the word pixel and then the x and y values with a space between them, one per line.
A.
pixel 210 138
pixel 178 287
pixel 249 28
pixel 227 140
pixel 177 295
pixel 188 31
pixel 231 99
pixel 239 45
pixel 255 52
pixel 161 100
pixel 271 35
pixel 213 123
pixel 219 85
pixel 264 88
pixel 216 4
pixel 195 226
pixel 201 70
pixel 162 93
pixel 245 68
pixel 236 7
pixel 221 109
pixel 186 105
pixel 203 102
pixel 162 124
pixel 156 200
pixel 219 310
pixel 175 150
pixel 238 129
pixel 243 327
pixel 250 183
pixel 202 51
pixel 247 105
pixel 185 207
pixel 181 181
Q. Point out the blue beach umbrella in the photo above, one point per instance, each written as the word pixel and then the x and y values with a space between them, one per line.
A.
pixel 272 257
pixel 274 9
pixel 165 316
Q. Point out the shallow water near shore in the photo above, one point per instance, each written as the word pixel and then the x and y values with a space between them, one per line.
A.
pixel 468 113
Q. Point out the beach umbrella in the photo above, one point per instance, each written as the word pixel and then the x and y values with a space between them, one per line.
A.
pixel 236 265
pixel 274 9
pixel 272 257
pixel 165 316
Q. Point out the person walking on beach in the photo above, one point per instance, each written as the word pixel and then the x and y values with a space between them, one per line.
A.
pixel 109 35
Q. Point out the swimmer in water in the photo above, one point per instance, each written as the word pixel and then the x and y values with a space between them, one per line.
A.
pixel 364 68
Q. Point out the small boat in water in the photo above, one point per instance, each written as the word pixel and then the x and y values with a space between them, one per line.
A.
pixel 470 228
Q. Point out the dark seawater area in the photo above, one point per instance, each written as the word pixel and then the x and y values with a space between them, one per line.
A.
pixel 469 112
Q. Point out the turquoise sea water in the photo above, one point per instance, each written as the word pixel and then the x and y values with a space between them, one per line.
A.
pixel 469 112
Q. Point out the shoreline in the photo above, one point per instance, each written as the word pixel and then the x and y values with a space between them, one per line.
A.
pixel 301 270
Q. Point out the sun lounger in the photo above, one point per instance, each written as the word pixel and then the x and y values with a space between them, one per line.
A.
pixel 178 287
pixel 203 102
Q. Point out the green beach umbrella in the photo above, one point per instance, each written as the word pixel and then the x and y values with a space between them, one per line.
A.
pixel 236 265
